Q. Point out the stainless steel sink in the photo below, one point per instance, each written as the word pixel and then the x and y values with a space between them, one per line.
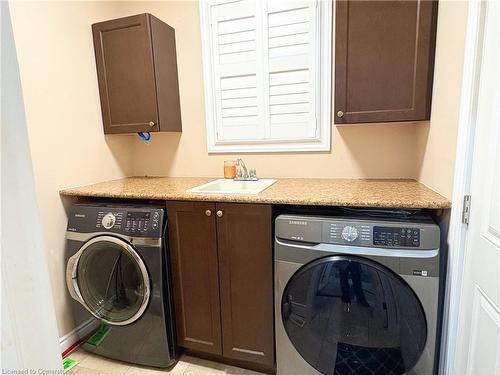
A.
pixel 224 186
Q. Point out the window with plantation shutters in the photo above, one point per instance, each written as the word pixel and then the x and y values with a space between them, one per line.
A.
pixel 267 69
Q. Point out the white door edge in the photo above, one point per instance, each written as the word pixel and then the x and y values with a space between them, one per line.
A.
pixel 457 237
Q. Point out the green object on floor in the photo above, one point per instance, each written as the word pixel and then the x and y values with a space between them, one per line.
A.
pixel 99 335
pixel 68 364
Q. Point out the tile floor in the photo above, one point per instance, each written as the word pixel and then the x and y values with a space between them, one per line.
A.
pixel 93 365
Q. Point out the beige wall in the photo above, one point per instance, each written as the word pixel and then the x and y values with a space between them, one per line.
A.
pixel 424 151
pixel 57 69
pixel 436 141
pixel 380 150
pixel 68 147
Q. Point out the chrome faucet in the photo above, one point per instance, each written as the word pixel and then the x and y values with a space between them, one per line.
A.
pixel 241 164
pixel 242 173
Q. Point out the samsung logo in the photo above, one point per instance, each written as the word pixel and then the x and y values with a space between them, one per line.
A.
pixel 297 222
pixel 80 215
pixel 420 273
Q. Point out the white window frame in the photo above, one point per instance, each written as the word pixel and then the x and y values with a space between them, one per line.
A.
pixel 322 141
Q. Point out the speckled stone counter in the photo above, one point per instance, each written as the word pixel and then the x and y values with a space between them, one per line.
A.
pixel 298 191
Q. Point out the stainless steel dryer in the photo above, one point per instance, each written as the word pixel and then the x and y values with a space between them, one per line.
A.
pixel 118 275
pixel 356 295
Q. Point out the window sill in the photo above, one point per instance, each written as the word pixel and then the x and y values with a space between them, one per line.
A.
pixel 268 147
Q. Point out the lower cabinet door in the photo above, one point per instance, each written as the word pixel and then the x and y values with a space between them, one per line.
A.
pixel 244 233
pixel 193 252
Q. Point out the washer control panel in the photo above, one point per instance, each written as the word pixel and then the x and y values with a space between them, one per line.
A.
pixel 366 232
pixel 349 232
pixel 396 237
pixel 374 235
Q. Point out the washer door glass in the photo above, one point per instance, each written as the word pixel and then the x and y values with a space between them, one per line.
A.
pixel 112 280
pixel 349 315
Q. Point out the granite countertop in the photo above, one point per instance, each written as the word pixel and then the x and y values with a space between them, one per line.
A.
pixel 300 191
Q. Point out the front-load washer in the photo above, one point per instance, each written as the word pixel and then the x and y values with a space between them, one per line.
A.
pixel 118 276
pixel 356 295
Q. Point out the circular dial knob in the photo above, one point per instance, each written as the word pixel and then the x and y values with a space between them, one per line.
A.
pixel 108 221
pixel 349 233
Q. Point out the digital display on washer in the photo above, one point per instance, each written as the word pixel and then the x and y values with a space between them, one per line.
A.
pixel 394 236
pixel 138 215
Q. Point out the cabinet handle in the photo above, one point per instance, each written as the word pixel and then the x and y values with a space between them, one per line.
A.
pixel 220 213
pixel 208 212
pixel 340 114
pixel 152 123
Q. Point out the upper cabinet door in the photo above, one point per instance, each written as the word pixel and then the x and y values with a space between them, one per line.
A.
pixel 137 73
pixel 384 60
pixel 126 74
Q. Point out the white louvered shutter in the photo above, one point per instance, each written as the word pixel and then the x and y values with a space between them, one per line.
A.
pixel 237 50
pixel 265 59
pixel 291 29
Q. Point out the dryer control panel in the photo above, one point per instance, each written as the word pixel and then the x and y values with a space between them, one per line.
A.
pixel 130 220
pixel 141 221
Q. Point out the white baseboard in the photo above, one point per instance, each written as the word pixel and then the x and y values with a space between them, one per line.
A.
pixel 81 331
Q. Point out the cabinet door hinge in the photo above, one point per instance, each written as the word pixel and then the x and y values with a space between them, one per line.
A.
pixel 466 210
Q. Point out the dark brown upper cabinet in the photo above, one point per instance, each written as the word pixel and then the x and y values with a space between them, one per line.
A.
pixel 137 74
pixel 384 60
